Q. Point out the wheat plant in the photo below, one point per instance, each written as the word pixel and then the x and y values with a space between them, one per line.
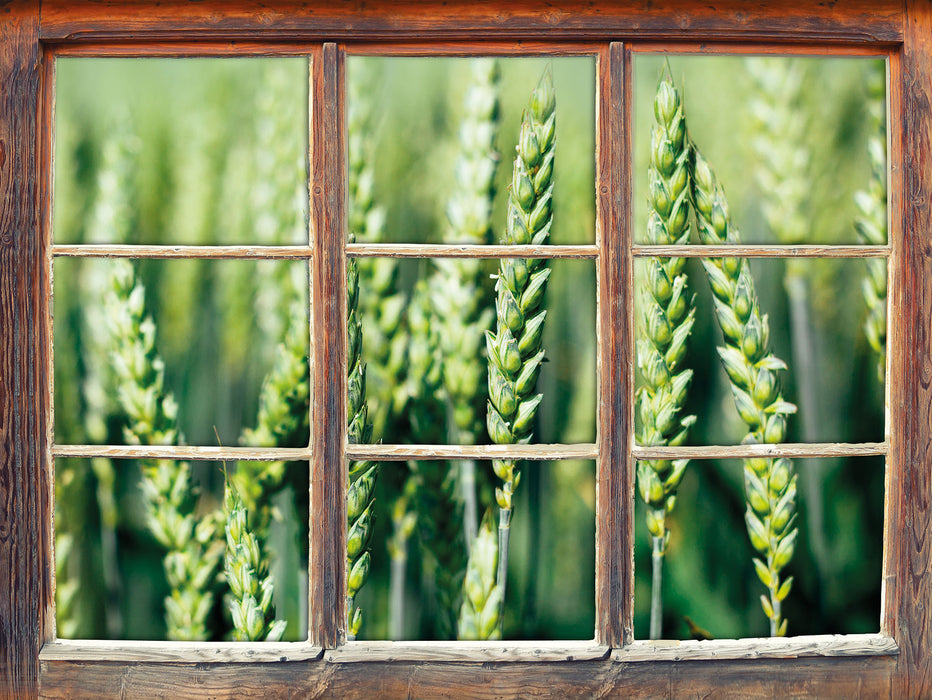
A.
pixel 190 538
pixel 362 474
pixel 667 315
pixel 752 368
pixel 871 223
pixel 482 595
pixel 437 502
pixel 783 171
pixel 247 574
pixel 458 292
pixel 515 349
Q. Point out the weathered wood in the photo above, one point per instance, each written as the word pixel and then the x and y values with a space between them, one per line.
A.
pixel 786 449
pixel 26 560
pixel 475 47
pixel 860 645
pixel 614 530
pixel 761 251
pixel 760 48
pixel 851 22
pixel 399 453
pixel 908 536
pixel 430 250
pixel 467 652
pixel 184 452
pixel 327 568
pixel 837 677
pixel 209 252
pixel 127 651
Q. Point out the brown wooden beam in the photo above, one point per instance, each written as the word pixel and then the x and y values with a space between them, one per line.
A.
pixel 327 574
pixel 850 22
pixel 836 677
pixel 908 523
pixel 26 562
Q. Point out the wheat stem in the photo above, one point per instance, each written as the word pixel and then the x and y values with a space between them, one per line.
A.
pixel 515 349
pixel 667 317
pixel 770 484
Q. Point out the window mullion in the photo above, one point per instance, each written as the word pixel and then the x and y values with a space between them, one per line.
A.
pixel 614 468
pixel 326 568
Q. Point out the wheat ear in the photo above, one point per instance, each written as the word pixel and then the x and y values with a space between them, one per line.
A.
pixel 362 475
pixel 194 548
pixel 459 296
pixel 667 316
pixel 515 349
pixel 770 484
pixel 437 503
pixel 247 574
pixel 482 596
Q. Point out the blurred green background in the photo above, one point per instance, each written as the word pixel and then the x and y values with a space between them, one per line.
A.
pixel 206 140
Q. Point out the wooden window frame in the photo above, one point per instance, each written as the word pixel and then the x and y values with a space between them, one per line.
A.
pixel 897 662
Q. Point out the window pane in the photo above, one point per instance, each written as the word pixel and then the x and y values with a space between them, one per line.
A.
pixel 710 585
pixel 799 144
pixel 182 151
pixel 826 322
pixel 432 146
pixel 424 353
pixel 141 547
pixel 181 352
pixel 414 588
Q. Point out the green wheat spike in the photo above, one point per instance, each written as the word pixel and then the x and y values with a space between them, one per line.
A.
pixel 752 368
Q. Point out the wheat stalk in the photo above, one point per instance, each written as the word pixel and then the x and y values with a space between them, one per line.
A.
pixel 782 170
pixel 871 223
pixel 515 350
pixel 459 295
pixel 482 596
pixel 194 549
pixel 667 317
pixel 381 306
pixel 770 484
pixel 438 506
pixel 247 573
pixel 362 474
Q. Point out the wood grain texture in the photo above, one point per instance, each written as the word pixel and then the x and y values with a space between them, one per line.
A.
pixel 793 450
pixel 837 677
pixel 327 568
pixel 861 645
pixel 851 22
pixel 128 651
pixel 184 452
pixel 761 251
pixel 614 531
pixel 25 549
pixel 908 541
pixel 428 250
pixel 397 453
pixel 468 652
pixel 209 252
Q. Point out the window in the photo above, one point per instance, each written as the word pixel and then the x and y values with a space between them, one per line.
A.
pixel 894 662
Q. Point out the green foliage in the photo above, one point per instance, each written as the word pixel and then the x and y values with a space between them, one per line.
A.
pixel 871 223
pixel 752 369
